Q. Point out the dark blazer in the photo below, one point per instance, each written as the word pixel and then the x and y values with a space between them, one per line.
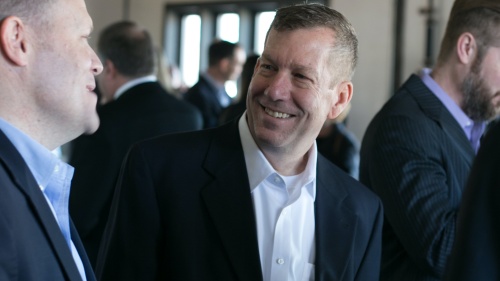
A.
pixel 32 246
pixel 203 95
pixel 143 111
pixel 476 254
pixel 416 157
pixel 183 211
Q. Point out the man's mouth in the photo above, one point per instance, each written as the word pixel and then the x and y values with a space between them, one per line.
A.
pixel 276 114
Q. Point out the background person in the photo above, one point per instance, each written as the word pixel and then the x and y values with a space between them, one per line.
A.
pixel 225 62
pixel 418 150
pixel 136 107
pixel 235 110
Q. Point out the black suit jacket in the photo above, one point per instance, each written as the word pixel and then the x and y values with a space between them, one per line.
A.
pixel 416 157
pixel 203 95
pixel 143 111
pixel 183 211
pixel 32 246
pixel 476 253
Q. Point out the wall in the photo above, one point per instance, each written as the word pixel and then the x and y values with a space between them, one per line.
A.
pixel 372 19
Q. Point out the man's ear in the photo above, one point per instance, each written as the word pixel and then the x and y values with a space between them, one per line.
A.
pixel 13 41
pixel 466 48
pixel 109 69
pixel 344 94
pixel 224 64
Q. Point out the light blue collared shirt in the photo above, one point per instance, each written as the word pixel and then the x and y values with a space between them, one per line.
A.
pixel 222 96
pixel 53 177
pixel 473 130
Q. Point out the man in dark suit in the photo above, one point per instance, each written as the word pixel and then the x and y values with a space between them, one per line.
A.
pixel 225 60
pixel 136 107
pixel 417 152
pixel 476 253
pixel 47 71
pixel 253 200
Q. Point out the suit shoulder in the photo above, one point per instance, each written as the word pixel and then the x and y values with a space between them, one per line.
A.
pixel 353 187
pixel 184 142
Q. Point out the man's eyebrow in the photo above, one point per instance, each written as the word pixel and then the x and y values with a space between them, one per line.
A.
pixel 296 66
pixel 266 57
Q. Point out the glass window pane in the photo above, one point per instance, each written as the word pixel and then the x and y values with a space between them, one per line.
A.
pixel 190 49
pixel 228 27
pixel 262 22
pixel 231 88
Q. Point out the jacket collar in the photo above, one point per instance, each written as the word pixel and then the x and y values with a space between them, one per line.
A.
pixel 434 109
pixel 24 180
pixel 229 203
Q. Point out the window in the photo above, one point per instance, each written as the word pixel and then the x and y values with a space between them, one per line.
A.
pixel 228 27
pixel 190 49
pixel 262 22
pixel 190 28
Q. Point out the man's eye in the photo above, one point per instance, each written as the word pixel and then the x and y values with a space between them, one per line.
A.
pixel 300 76
pixel 266 66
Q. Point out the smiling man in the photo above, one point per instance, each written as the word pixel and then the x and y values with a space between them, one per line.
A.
pixel 253 200
pixel 47 71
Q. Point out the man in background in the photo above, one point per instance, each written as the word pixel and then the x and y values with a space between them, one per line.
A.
pixel 225 63
pixel 47 71
pixel 418 150
pixel 135 107
pixel 253 200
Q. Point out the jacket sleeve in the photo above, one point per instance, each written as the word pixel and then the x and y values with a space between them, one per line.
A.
pixel 130 246
pixel 406 170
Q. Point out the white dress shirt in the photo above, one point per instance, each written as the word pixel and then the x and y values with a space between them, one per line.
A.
pixel 134 82
pixel 284 210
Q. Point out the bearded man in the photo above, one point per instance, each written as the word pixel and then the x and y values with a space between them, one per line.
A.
pixel 417 151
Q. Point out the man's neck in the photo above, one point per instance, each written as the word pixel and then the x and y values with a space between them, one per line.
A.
pixel 447 78
pixel 216 76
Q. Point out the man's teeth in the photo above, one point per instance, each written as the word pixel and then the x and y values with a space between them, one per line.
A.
pixel 276 114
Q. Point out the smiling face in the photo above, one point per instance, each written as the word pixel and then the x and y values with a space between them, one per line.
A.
pixel 292 92
pixel 63 69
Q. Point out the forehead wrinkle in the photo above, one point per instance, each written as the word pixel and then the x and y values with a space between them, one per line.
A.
pixel 291 64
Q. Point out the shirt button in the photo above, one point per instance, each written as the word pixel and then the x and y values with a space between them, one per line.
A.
pixel 277 179
pixel 280 261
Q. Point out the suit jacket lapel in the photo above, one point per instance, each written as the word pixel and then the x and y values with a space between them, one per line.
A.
pixel 25 181
pixel 229 202
pixel 335 225
pixel 435 109
pixel 89 272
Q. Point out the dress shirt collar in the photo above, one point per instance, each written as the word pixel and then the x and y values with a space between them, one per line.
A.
pixel 463 120
pixel 134 82
pixel 53 177
pixel 41 161
pixel 259 168
pixel 212 82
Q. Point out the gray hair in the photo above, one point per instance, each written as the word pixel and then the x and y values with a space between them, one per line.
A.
pixel 345 49
pixel 31 11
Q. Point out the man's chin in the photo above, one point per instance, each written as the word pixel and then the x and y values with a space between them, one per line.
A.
pixel 92 126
